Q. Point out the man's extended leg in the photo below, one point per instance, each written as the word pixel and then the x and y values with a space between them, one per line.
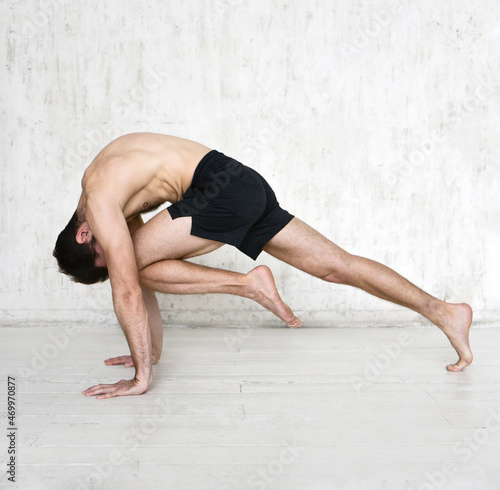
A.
pixel 306 249
pixel 162 243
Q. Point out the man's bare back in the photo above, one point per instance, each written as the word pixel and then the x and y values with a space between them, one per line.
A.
pixel 148 169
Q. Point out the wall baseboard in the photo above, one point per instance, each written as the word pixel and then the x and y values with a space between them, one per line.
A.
pixel 233 318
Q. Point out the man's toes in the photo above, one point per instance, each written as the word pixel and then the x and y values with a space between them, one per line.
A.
pixel 458 366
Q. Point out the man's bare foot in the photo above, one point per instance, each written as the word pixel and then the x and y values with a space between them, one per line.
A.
pixel 262 289
pixel 457 330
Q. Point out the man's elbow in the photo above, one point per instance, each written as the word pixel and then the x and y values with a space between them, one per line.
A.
pixel 128 298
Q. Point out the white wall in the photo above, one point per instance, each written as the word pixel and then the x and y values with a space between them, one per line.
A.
pixel 375 121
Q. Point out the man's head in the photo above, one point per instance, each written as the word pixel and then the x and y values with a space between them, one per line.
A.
pixel 78 253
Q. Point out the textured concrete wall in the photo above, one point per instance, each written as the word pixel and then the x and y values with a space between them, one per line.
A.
pixel 375 121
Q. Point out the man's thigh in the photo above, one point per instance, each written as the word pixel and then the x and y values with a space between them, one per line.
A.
pixel 164 238
pixel 306 249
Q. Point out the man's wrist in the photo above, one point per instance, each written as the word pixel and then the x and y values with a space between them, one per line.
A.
pixel 143 378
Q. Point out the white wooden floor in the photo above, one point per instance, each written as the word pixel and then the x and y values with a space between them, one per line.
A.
pixel 262 408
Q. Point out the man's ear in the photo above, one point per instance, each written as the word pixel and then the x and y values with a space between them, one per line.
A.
pixel 83 235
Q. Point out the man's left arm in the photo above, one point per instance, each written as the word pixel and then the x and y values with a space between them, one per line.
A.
pixel 154 315
pixel 109 227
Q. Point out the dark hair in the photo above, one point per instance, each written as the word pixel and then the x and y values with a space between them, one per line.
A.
pixel 75 259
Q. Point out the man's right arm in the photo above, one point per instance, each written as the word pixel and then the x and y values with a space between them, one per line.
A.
pixel 155 323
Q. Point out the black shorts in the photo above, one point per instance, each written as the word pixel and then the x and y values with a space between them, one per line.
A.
pixel 231 203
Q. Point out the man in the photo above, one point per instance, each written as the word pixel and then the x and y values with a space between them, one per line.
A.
pixel 216 200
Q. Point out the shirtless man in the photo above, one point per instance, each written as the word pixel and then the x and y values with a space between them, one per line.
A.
pixel 216 200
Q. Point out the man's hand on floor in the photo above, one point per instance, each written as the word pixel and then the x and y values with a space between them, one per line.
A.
pixel 124 387
pixel 127 361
